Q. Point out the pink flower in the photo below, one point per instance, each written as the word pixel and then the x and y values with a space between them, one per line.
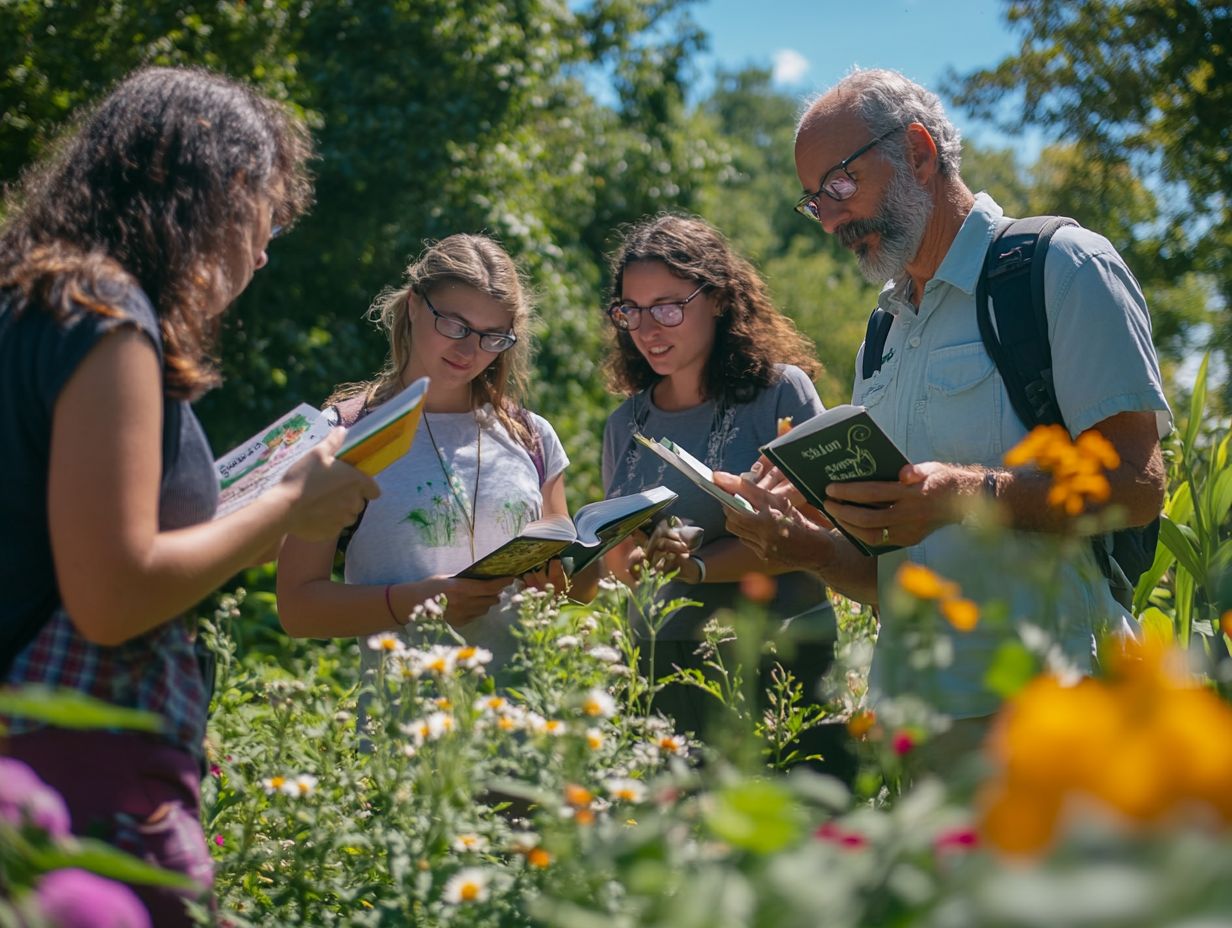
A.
pixel 903 743
pixel 957 839
pixel 215 771
pixel 219 840
pixel 27 800
pixel 833 833
pixel 78 899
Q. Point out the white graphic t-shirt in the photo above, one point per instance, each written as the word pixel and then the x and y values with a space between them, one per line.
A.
pixel 420 526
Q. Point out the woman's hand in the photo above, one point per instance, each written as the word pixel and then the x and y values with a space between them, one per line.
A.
pixel 327 494
pixel 466 600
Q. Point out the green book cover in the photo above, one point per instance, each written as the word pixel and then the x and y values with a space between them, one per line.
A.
pixel 839 445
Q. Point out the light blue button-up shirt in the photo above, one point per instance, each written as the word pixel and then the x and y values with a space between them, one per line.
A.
pixel 939 396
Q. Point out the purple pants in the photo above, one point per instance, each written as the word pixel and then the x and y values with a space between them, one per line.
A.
pixel 134 792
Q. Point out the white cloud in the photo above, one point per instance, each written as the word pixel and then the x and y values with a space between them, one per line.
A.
pixel 789 66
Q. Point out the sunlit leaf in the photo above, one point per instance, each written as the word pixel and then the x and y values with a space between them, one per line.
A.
pixel 71 709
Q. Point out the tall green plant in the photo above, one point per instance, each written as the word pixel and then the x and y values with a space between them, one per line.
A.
pixel 1195 541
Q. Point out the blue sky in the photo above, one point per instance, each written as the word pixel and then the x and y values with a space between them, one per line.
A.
pixel 813 44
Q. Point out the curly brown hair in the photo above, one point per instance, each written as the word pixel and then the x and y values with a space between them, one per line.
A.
pixel 751 336
pixel 153 186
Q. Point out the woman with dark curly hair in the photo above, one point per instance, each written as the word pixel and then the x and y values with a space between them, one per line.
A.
pixel 707 361
pixel 117 257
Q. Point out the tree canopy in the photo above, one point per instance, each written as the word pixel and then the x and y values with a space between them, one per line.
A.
pixel 550 124
pixel 1138 88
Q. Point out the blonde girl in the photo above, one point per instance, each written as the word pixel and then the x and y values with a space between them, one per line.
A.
pixel 479 469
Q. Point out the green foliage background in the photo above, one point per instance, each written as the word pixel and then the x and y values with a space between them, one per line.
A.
pixel 436 116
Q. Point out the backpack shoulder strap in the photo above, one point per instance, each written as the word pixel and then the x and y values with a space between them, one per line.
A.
pixel 534 444
pixel 879 323
pixel 1013 278
pixel 351 410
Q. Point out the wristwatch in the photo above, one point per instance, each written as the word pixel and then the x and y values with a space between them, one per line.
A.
pixel 990 485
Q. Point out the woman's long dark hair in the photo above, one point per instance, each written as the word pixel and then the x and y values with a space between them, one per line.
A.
pixel 751 336
pixel 158 184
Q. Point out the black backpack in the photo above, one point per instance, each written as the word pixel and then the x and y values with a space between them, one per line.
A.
pixel 1013 276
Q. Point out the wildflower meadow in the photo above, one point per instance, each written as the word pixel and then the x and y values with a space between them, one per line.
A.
pixel 427 794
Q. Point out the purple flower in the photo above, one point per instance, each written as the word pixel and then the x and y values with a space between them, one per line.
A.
pixel 79 899
pixel 27 800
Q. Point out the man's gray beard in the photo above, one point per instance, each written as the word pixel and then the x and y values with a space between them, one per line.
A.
pixel 899 225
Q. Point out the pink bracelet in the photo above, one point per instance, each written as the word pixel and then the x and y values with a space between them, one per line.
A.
pixel 390 606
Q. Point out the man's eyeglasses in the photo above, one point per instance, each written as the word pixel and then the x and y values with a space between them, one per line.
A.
pixel 628 317
pixel 456 329
pixel 837 183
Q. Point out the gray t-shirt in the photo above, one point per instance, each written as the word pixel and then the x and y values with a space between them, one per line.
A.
pixel 728 439
pixel 420 525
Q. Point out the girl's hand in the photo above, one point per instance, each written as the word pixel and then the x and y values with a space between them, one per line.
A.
pixel 670 547
pixel 466 600
pixel 327 494
pixel 553 572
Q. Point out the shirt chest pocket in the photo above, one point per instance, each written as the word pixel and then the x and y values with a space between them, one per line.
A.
pixel 963 405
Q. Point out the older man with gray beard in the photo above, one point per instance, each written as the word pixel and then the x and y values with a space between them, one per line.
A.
pixel 879 159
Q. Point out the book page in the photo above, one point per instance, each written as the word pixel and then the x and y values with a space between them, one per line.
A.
pixel 693 469
pixel 248 470
pixel 620 515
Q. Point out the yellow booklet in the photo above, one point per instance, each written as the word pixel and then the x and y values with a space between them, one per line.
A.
pixel 371 444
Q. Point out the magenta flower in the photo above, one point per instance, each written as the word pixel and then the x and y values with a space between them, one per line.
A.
pixel 27 800
pixel 219 840
pixel 79 899
pixel 957 839
pixel 831 832
pixel 903 743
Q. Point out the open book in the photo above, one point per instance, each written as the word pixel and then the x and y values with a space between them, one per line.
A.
pixel 371 444
pixel 839 445
pixel 693 469
pixel 595 529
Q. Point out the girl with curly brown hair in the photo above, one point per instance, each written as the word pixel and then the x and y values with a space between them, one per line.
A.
pixel 706 360
pixel 117 257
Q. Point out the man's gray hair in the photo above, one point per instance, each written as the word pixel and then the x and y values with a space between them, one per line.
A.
pixel 886 100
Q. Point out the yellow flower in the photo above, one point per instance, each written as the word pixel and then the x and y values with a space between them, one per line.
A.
pixel 538 857
pixel 578 796
pixel 963 614
pixel 1092 444
pixel 783 426
pixel 861 723
pixel 1149 743
pixel 922 583
pixel 1077 467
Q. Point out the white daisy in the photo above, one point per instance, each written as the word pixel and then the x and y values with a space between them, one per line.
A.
pixel 599 703
pixel 469 884
pixel 625 790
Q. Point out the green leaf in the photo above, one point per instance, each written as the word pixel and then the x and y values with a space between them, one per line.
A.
pixel 1197 405
pixel 107 861
pixel 1011 669
pixel 1150 578
pixel 1181 541
pixel 756 815
pixel 71 709
pixel 1180 504
pixel 1157 625
pixel 1220 496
